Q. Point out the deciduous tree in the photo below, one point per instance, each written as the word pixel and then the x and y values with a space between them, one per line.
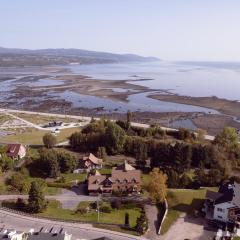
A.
pixel 157 186
pixel 49 140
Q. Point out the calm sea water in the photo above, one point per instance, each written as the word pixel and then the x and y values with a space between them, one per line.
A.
pixel 184 78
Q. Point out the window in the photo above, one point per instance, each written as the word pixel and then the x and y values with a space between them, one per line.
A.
pixel 220 210
pixel 219 217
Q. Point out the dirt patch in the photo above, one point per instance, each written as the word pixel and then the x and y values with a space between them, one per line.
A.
pixel 222 105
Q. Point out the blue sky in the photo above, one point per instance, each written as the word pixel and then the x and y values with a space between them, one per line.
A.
pixel 169 29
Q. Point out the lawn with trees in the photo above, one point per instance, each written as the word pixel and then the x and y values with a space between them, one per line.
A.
pixel 175 164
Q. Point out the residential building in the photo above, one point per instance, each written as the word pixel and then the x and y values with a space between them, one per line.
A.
pixel 12 234
pixel 124 179
pixel 89 163
pixel 16 151
pixel 41 235
pixel 224 205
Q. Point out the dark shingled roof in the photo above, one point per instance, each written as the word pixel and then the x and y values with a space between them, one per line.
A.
pixel 46 236
pixel 104 238
pixel 213 195
pixel 227 193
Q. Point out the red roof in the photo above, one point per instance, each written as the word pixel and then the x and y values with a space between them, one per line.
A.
pixel 13 150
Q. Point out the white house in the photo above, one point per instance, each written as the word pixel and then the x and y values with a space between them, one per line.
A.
pixel 224 205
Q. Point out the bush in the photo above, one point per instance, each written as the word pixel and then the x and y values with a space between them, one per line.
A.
pixel 93 205
pixel 105 207
pixel 82 210
pixel 116 204
pixel 142 223
pixel 18 182
pixel 126 223
pixel 21 204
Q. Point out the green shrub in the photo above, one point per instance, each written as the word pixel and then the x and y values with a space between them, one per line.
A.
pixel 105 209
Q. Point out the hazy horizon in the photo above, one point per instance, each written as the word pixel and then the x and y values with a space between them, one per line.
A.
pixel 176 30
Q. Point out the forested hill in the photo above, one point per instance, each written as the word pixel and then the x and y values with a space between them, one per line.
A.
pixel 41 57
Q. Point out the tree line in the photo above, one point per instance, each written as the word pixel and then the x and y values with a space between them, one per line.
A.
pixel 184 151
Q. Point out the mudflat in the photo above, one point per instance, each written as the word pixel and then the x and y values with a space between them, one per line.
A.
pixel 224 106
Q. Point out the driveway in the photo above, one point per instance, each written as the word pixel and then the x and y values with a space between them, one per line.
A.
pixel 152 215
pixel 188 228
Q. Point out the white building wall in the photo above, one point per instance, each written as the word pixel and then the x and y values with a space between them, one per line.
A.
pixel 221 211
pixel 22 152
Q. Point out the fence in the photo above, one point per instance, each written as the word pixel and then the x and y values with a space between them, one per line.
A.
pixel 164 216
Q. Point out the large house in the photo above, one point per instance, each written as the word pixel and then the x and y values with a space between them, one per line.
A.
pixel 16 151
pixel 124 179
pixel 224 205
pixel 89 163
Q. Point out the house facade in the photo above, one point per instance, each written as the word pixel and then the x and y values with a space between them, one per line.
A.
pixel 89 163
pixel 16 151
pixel 224 205
pixel 124 179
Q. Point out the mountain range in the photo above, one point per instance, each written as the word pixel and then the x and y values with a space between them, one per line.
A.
pixel 27 57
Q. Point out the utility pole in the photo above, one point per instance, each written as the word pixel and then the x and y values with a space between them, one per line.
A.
pixel 98 210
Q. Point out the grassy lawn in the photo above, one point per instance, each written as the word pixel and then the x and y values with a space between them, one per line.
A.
pixel 71 177
pixel 34 136
pixel 145 179
pixel 52 191
pixel 172 217
pixel 182 201
pixel 116 228
pixel 4 118
pixel 114 217
pixel 40 119
pixel 105 171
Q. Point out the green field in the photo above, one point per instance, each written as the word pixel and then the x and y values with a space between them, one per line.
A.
pixel 41 119
pixel 34 136
pixel 4 118
pixel 71 177
pixel 54 210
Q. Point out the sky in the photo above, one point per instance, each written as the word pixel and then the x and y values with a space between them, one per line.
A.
pixel 168 29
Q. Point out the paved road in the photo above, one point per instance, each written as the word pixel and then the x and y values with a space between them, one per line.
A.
pixel 79 231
